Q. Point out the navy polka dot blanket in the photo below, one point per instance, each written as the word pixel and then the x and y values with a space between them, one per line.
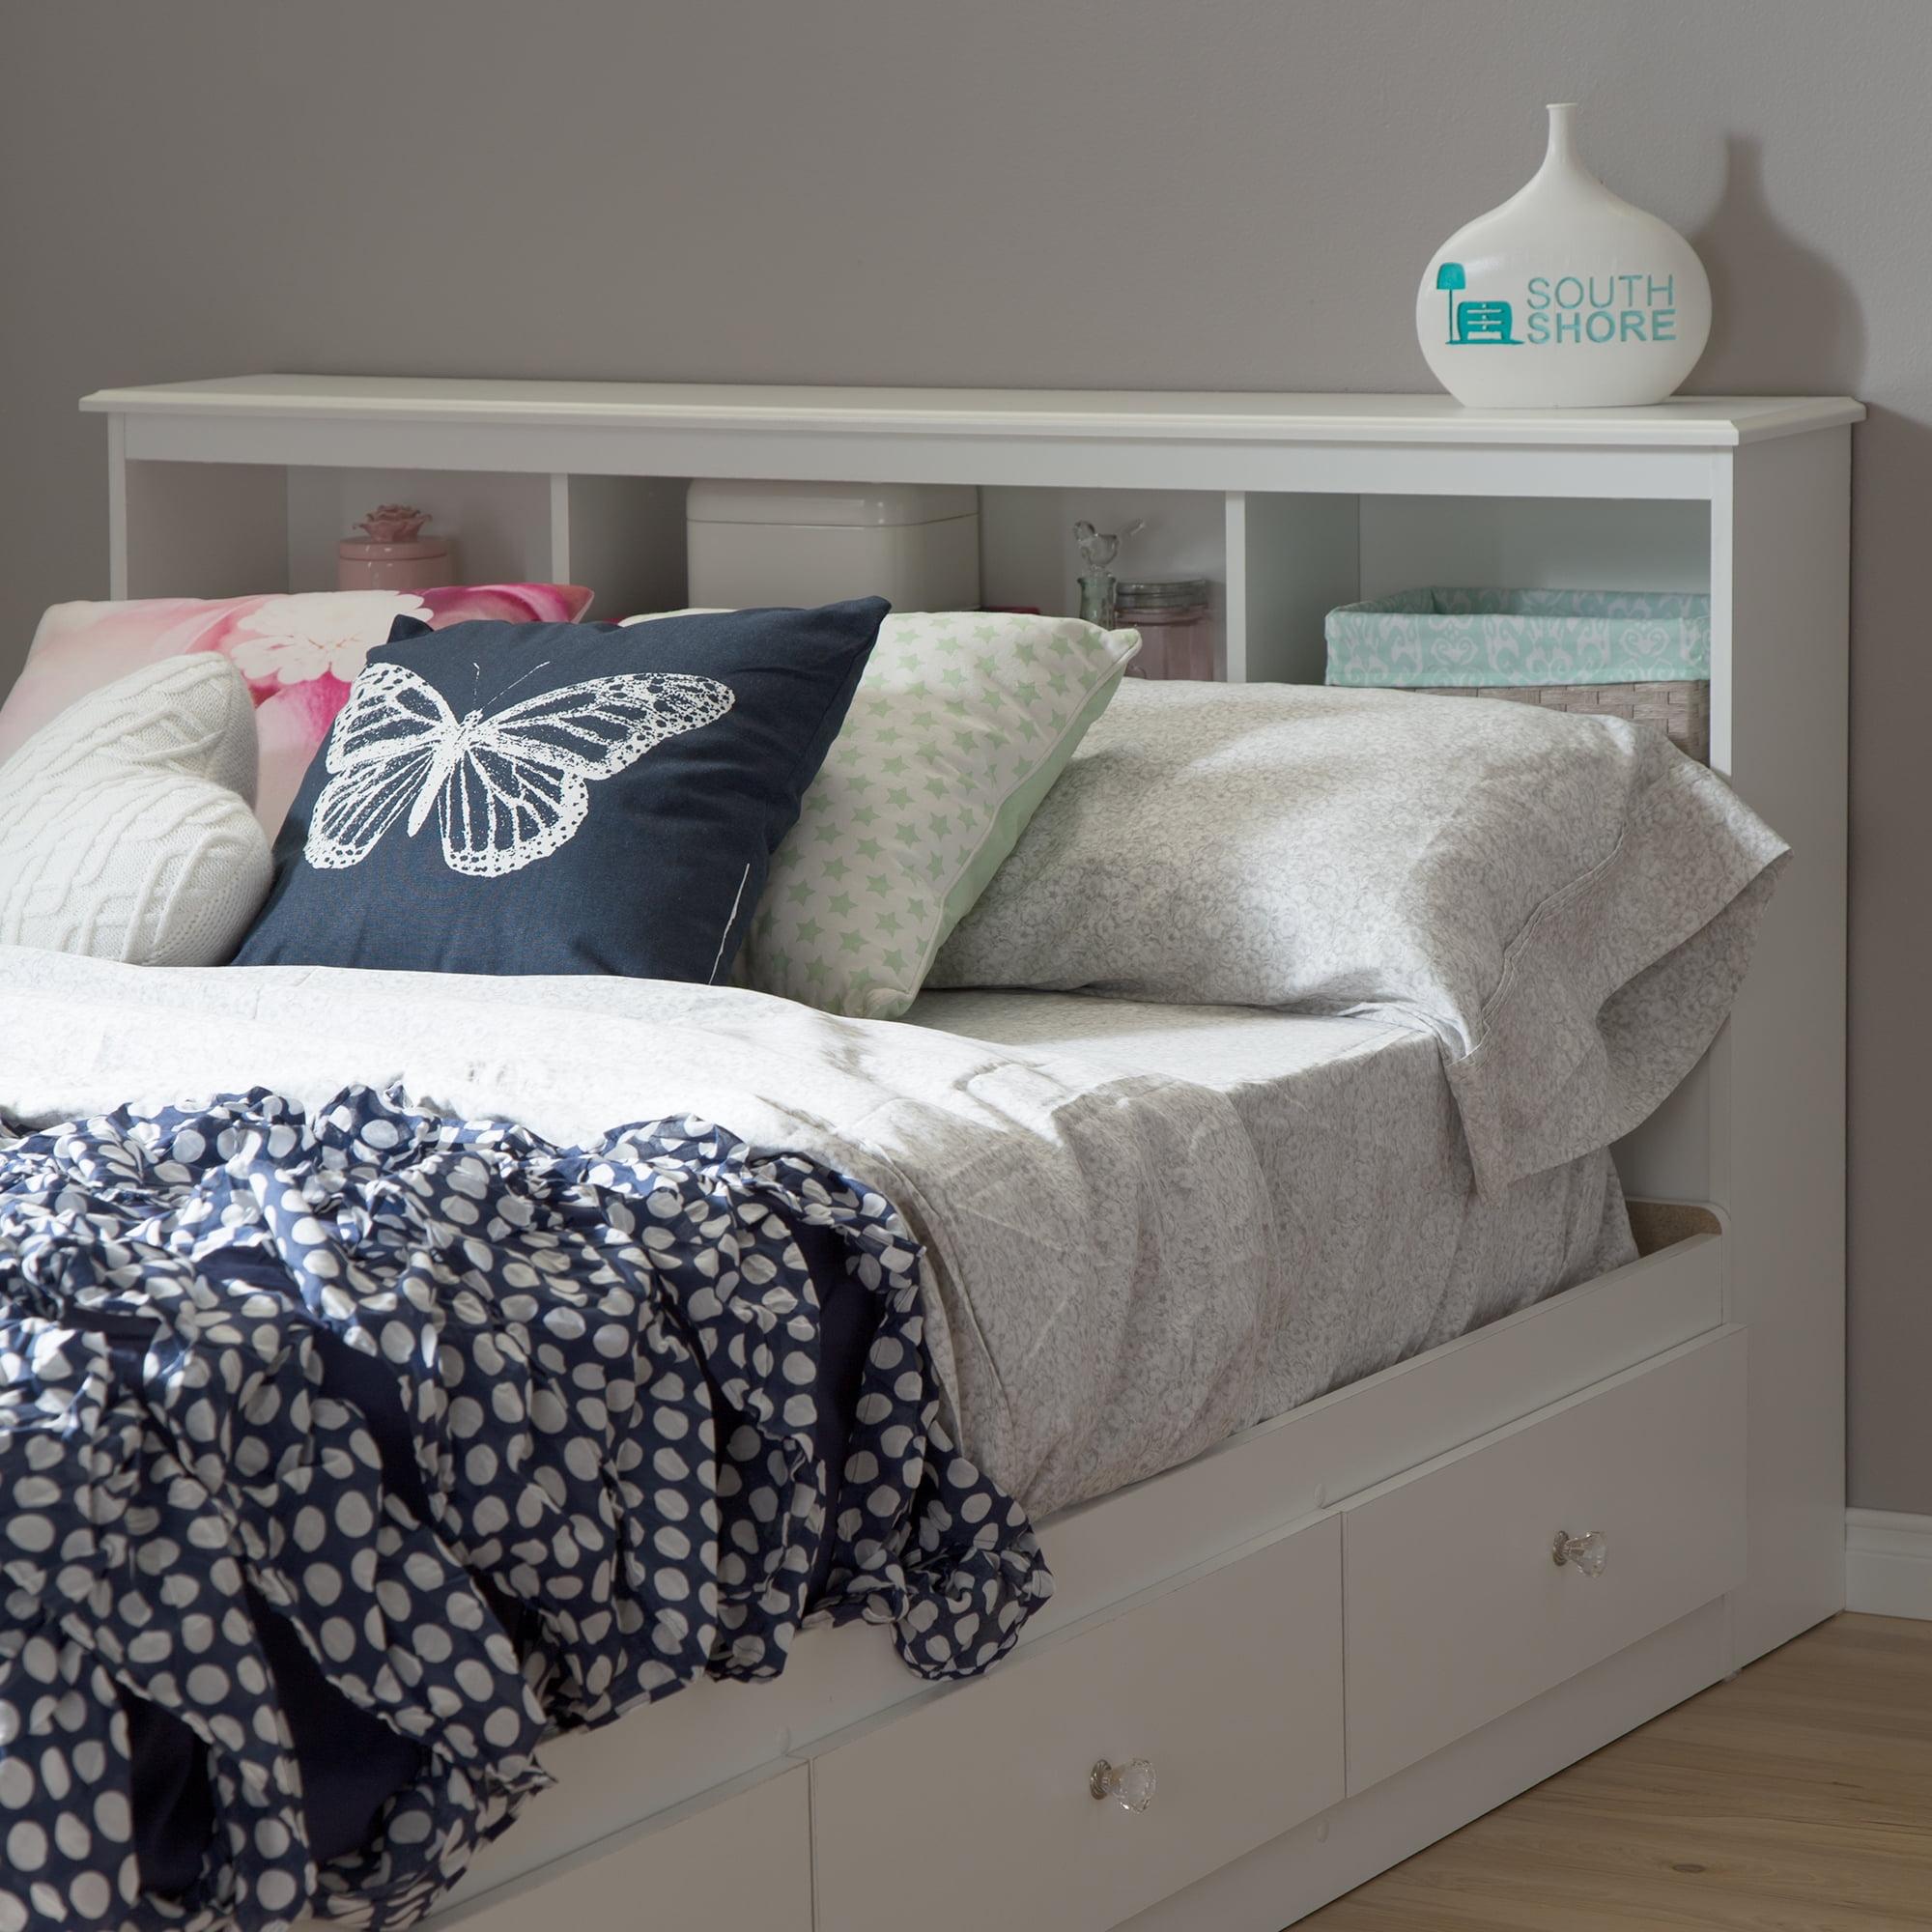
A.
pixel 498 1437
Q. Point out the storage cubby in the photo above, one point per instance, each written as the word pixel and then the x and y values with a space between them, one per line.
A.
pixel 1295 557
pixel 1027 555
pixel 206 530
pixel 498 525
pixel 196 529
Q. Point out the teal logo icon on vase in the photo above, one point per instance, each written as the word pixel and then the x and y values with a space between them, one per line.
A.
pixel 1601 304
pixel 1473 320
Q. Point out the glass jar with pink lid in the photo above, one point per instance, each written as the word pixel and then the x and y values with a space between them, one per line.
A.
pixel 1174 617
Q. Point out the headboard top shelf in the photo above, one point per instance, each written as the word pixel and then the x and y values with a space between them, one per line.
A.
pixel 1694 422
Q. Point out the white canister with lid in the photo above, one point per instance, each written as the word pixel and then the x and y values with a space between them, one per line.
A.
pixel 750 544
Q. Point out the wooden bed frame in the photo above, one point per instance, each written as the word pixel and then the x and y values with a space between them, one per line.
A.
pixel 1344 1632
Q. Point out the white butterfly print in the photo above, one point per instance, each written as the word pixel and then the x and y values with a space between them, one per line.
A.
pixel 507 789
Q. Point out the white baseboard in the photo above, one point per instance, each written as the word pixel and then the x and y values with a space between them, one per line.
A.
pixel 1889 1563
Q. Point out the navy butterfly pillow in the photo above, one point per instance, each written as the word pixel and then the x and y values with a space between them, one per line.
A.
pixel 560 798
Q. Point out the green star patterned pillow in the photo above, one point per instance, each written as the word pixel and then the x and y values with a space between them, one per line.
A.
pixel 958 728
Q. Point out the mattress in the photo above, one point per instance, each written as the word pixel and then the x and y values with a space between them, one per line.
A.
pixel 1143 1227
pixel 1381 1247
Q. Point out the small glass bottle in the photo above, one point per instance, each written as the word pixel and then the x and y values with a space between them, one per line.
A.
pixel 1098 583
pixel 1099 600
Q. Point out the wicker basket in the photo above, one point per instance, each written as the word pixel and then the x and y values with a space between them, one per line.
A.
pixel 1650 651
pixel 1680 709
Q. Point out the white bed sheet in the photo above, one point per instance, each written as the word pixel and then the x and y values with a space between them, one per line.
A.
pixel 1381 1246
pixel 1145 1226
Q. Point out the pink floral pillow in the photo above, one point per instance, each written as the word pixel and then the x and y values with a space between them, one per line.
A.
pixel 300 654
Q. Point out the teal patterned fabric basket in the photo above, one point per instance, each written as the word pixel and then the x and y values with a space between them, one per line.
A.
pixel 1445 638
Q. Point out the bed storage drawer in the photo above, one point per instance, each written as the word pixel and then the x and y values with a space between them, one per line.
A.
pixel 738 1855
pixel 1458 1612
pixel 975 1809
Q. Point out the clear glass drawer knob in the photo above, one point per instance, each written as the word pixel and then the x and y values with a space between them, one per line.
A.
pixel 1129 1785
pixel 1588 1552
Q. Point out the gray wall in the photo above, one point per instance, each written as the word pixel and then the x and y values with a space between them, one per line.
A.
pixel 894 191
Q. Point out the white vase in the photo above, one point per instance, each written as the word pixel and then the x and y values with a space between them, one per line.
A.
pixel 1565 296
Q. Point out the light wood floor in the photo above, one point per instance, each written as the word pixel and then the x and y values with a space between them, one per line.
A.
pixel 1797 1797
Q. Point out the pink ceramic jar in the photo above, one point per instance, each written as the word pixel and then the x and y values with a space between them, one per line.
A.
pixel 421 565
pixel 392 553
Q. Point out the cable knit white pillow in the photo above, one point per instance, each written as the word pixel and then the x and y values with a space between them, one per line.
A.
pixel 126 824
